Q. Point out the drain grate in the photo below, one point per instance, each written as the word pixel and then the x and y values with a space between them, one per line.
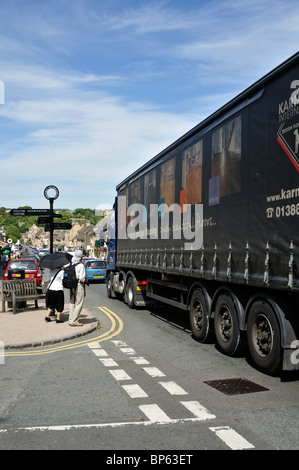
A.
pixel 236 386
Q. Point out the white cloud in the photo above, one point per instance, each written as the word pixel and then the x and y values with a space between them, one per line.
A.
pixel 242 39
pixel 93 140
pixel 151 17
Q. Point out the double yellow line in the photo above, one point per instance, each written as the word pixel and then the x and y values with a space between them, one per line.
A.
pixel 116 327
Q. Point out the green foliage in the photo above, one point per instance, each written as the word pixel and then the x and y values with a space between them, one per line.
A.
pixel 66 217
pixel 16 226
pixel 13 232
pixel 87 214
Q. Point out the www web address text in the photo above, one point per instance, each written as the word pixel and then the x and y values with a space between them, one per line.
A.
pixel 284 194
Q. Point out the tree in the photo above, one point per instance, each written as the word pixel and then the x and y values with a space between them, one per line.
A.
pixel 13 233
pixel 66 217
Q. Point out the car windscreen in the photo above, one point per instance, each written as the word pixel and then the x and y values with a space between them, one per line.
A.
pixel 96 265
pixel 27 265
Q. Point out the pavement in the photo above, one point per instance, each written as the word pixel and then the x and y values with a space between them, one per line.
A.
pixel 28 328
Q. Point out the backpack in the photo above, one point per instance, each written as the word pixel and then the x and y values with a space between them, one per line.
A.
pixel 70 280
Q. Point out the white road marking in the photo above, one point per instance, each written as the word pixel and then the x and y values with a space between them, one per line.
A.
pixel 100 352
pixel 69 427
pixel 120 374
pixel 127 350
pixel 173 388
pixel 154 413
pixel 109 362
pixel 134 391
pixel 94 345
pixel 156 417
pixel 198 410
pixel 153 372
pixel 119 343
pixel 139 360
pixel 231 438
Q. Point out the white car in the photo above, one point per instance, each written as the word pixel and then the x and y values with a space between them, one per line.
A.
pixel 43 252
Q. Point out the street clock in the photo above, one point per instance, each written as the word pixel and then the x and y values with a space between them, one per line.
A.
pixel 51 192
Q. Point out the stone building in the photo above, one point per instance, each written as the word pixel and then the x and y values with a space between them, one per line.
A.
pixel 78 236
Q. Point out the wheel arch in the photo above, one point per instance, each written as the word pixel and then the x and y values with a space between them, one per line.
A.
pixel 206 292
pixel 135 277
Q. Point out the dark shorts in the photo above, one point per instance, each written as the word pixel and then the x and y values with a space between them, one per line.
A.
pixel 55 299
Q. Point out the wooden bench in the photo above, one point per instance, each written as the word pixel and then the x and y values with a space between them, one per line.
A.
pixel 20 290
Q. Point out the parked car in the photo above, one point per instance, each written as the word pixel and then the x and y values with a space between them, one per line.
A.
pixel 43 253
pixel 23 268
pixel 95 269
pixel 29 256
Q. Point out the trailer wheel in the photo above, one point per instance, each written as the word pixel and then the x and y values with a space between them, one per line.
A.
pixel 263 337
pixel 199 316
pixel 130 293
pixel 226 325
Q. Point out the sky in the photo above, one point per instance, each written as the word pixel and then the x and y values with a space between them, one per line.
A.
pixel 90 90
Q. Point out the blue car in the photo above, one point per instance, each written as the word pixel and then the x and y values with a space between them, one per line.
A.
pixel 95 269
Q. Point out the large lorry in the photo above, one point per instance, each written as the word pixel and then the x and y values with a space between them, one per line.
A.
pixel 210 225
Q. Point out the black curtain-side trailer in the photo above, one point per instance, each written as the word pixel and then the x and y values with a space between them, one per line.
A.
pixel 241 166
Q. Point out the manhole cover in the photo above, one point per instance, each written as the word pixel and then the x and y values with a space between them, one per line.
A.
pixel 236 386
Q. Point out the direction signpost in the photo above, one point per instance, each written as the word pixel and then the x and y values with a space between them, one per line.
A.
pixel 49 220
pixel 33 212
pixel 63 226
pixel 44 220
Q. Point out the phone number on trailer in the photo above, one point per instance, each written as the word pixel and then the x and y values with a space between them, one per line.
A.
pixel 283 211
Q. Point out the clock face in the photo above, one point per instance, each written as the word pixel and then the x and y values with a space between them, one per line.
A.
pixel 51 192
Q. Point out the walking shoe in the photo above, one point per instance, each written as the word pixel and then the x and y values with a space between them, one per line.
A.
pixel 48 319
pixel 59 321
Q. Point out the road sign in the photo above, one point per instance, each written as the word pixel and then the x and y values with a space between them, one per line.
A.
pixel 44 220
pixel 32 212
pixel 62 226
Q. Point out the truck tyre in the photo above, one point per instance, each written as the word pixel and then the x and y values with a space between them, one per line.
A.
pixel 226 325
pixel 199 316
pixel 109 286
pixel 263 337
pixel 130 293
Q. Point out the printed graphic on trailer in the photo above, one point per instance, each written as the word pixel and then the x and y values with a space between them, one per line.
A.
pixel 288 132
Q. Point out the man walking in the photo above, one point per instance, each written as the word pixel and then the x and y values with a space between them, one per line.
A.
pixel 77 294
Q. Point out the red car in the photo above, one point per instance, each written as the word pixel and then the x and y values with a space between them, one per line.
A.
pixel 29 267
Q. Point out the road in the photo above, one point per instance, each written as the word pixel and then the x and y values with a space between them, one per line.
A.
pixel 141 382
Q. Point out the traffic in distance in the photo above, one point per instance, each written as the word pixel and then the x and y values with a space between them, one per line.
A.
pixel 24 263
